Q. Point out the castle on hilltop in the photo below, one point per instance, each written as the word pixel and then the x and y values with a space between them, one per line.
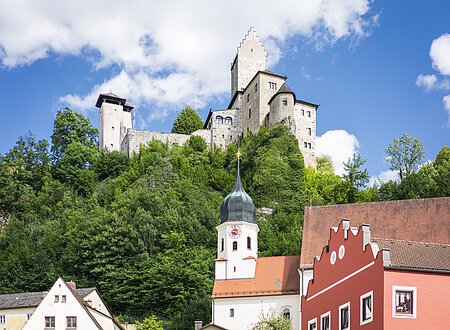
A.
pixel 259 98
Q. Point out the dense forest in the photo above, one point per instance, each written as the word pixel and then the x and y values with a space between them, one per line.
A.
pixel 142 229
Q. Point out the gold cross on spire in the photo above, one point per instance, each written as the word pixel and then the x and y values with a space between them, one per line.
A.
pixel 238 154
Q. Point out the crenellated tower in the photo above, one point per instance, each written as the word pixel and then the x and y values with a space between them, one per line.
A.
pixel 250 58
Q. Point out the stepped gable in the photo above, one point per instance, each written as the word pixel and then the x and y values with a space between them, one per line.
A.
pixel 418 220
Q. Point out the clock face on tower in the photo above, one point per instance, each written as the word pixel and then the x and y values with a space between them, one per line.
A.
pixel 234 231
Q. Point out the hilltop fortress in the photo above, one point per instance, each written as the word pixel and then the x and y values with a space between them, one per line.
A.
pixel 259 98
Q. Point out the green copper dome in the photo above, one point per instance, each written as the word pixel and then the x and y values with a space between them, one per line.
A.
pixel 238 205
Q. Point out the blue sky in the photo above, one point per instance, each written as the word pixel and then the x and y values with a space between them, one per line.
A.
pixel 369 64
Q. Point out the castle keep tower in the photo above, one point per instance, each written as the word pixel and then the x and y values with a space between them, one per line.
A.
pixel 115 120
pixel 237 248
pixel 250 58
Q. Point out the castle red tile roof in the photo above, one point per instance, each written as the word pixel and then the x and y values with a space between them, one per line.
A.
pixel 273 276
pixel 418 220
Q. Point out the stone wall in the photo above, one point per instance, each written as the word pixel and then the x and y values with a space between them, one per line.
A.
pixel 305 118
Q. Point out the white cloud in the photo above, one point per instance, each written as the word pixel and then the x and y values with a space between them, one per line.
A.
pixel 339 145
pixel 383 177
pixel 440 54
pixel 168 52
pixel 427 81
pixel 446 100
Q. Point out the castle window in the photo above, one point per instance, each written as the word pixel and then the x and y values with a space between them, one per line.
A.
pixel 231 312
pixel 249 243
pixel 222 245
pixel 228 120
pixel 303 112
pixel 309 114
pixel 256 87
pixel 231 137
pixel 113 128
pixel 249 112
pixel 219 120
pixel 223 136
pixel 248 97
pixel 285 102
pixel 234 246
pixel 305 144
pixel 272 85
pixel 309 145
pixel 309 131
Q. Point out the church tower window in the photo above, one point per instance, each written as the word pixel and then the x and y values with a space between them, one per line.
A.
pixel 222 245
pixel 234 246
pixel 249 243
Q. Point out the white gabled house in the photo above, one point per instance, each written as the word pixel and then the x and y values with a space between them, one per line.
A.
pixel 63 308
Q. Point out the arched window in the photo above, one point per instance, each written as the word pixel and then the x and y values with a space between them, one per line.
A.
pixel 219 120
pixel 234 246
pixel 228 120
pixel 287 313
pixel 222 245
pixel 249 243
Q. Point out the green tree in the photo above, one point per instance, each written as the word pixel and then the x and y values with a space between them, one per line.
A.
pixel 442 168
pixel 187 121
pixel 150 323
pixel 110 164
pixel 405 155
pixel 354 178
pixel 68 127
pixel 272 321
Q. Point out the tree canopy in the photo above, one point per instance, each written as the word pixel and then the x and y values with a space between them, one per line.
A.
pixel 187 121
pixel 405 155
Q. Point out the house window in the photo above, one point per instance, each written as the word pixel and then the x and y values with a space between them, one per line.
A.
pixel 222 245
pixel 234 269
pixel 285 102
pixel 248 97
pixel 256 87
pixel 219 120
pixel 309 114
pixel 404 301
pixel 71 322
pixel 249 113
pixel 325 321
pixel 228 120
pixel 344 316
pixel 312 324
pixel 287 313
pixel 234 246
pixel 63 298
pixel 49 321
pixel 231 312
pixel 309 131
pixel 366 307
pixel 249 243
pixel 2 319
pixel 56 299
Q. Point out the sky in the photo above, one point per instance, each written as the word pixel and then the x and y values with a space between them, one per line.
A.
pixel 378 69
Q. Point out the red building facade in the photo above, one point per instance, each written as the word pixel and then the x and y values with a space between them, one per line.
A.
pixel 365 283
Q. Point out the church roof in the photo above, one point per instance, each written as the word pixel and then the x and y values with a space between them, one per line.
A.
pixel 417 220
pixel 273 276
pixel 284 89
pixel 238 205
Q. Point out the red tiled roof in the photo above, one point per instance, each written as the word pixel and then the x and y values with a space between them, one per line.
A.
pixel 273 276
pixel 419 220
pixel 416 255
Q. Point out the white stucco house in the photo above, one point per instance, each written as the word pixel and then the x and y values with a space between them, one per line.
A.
pixel 62 307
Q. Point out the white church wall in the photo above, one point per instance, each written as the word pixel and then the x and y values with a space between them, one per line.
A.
pixel 247 310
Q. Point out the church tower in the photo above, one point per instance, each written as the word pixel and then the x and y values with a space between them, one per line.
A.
pixel 115 120
pixel 237 248
pixel 250 58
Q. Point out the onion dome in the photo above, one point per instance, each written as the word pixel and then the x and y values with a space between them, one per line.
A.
pixel 238 205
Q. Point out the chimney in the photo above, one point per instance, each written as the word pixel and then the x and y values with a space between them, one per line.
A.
pixel 198 325
pixel 73 285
